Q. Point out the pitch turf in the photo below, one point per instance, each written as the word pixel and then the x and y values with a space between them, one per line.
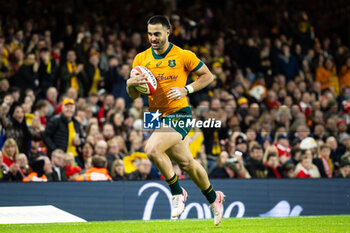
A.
pixel 339 223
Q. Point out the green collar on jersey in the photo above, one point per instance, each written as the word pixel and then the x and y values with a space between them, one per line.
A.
pixel 163 55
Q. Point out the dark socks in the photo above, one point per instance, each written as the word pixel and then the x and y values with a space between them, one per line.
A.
pixel 174 185
pixel 210 194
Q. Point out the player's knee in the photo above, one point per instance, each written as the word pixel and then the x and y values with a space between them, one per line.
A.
pixel 151 151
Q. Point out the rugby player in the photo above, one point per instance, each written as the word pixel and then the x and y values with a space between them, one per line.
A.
pixel 171 66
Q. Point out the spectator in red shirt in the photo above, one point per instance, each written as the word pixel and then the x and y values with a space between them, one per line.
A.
pixel 271 100
pixel 283 148
pixel 107 104
pixel 342 126
pixel 306 165
pixel 71 168
pixel 304 104
pixel 41 108
pixel 326 161
pixel 272 166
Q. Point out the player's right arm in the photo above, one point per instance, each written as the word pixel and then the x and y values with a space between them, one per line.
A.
pixel 135 80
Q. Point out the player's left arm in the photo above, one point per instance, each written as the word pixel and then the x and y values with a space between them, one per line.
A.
pixel 205 77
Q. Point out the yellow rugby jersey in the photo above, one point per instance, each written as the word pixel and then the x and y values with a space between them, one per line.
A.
pixel 171 69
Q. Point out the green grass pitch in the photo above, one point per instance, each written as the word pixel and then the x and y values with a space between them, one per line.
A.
pixel 338 223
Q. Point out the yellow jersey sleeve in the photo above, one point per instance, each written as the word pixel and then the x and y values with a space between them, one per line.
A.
pixel 136 61
pixel 191 61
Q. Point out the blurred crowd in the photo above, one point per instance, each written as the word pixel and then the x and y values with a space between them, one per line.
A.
pixel 281 88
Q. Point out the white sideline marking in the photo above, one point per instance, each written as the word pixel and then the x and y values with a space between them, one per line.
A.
pixel 36 214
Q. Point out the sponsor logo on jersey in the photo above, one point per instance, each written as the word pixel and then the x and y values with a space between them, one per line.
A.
pixel 161 77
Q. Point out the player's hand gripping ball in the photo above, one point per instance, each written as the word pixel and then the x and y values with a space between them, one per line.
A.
pixel 149 88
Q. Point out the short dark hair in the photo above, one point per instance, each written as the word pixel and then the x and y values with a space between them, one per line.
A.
pixel 288 167
pixel 44 50
pixel 325 146
pixel 27 91
pixel 296 150
pixel 93 94
pixel 15 89
pixel 112 57
pixel 99 161
pixel 303 157
pixel 28 54
pixel 160 19
pixel 40 104
pixel 256 147
pixel 107 123
pixel 271 154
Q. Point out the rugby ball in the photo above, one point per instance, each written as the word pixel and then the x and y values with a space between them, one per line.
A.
pixel 149 88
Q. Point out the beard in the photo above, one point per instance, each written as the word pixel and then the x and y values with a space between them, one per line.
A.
pixel 159 46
